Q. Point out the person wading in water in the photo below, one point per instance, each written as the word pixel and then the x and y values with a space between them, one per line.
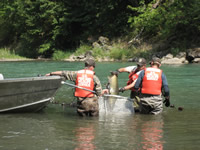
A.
pixel 134 73
pixel 153 81
pixel 87 102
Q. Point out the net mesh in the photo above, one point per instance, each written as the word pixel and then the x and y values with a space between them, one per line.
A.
pixel 115 104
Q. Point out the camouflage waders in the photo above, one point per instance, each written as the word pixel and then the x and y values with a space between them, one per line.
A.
pixel 88 106
pixel 136 100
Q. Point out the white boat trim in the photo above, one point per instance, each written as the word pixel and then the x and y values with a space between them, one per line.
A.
pixel 26 105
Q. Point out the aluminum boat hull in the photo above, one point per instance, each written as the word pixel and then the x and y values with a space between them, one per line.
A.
pixel 30 94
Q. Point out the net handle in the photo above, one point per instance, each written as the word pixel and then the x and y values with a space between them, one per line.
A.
pixel 118 96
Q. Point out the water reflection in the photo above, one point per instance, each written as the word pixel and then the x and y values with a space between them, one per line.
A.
pixel 152 134
pixel 115 132
pixel 85 138
pixel 62 129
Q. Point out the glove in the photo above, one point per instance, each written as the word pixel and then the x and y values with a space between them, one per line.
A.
pixel 167 102
pixel 121 90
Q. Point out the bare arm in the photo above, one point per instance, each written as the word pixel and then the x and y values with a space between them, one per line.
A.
pixel 59 73
pixel 127 69
pixel 130 85
pixel 122 70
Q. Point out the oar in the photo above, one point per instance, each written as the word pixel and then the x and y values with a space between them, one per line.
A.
pixel 63 82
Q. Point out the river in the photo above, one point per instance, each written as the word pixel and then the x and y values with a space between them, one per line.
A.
pixel 60 128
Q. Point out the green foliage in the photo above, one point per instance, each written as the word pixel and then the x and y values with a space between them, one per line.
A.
pixel 9 54
pixel 138 52
pixel 118 53
pixel 60 55
pixel 41 27
pixel 168 19
pixel 98 52
pixel 34 24
pixel 44 47
pixel 174 51
pixel 83 49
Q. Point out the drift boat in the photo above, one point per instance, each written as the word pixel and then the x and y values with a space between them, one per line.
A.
pixel 30 94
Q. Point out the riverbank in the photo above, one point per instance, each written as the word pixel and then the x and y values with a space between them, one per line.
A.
pixel 104 50
pixel 108 50
pixel 168 59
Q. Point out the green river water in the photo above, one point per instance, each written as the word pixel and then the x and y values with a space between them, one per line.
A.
pixel 60 128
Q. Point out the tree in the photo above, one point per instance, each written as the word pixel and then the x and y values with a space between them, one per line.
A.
pixel 169 18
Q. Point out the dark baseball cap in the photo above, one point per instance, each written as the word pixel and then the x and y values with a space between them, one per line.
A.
pixel 89 62
pixel 141 62
pixel 156 60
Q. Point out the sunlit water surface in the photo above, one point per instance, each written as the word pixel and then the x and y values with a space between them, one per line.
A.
pixel 59 127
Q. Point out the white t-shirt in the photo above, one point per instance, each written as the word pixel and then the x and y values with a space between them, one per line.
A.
pixel 130 68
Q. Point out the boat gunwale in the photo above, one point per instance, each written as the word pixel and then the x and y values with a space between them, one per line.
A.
pixel 26 79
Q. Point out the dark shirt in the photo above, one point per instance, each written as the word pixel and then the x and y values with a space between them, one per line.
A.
pixel 164 83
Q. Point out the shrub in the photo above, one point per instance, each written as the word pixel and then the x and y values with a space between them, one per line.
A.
pixel 82 49
pixel 98 52
pixel 60 55
pixel 118 52
pixel 9 54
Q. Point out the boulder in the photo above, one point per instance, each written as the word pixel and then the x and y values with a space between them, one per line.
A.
pixel 181 55
pixel 103 43
pixel 174 60
pixel 196 60
pixel 103 40
pixel 191 54
pixel 168 56
pixel 179 59
pixel 96 45
pixel 134 59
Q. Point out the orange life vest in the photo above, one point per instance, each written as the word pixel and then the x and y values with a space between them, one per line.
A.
pixel 85 80
pixel 152 81
pixel 132 77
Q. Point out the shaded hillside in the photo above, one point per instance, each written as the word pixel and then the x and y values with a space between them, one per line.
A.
pixel 42 28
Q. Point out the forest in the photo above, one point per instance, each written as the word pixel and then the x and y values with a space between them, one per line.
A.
pixel 56 28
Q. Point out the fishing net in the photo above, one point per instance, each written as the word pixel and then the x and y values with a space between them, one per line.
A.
pixel 115 104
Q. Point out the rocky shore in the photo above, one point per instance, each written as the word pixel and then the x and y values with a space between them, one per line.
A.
pixel 192 56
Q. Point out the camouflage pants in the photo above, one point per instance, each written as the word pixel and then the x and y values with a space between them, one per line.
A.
pixel 88 106
pixel 135 97
pixel 151 105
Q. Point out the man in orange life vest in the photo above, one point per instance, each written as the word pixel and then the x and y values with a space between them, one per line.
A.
pixel 152 81
pixel 141 65
pixel 87 102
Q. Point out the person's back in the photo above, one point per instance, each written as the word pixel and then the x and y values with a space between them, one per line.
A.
pixel 86 81
pixel 152 82
pixel 87 102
